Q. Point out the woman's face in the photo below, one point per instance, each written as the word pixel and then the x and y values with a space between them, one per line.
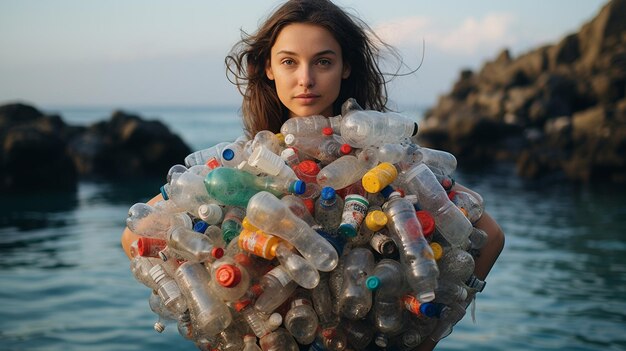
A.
pixel 307 67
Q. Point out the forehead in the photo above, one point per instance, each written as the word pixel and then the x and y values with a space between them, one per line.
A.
pixel 305 38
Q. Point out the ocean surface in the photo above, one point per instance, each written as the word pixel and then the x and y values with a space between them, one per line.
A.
pixel 65 284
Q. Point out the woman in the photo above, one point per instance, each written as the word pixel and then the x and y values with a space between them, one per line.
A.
pixel 306 59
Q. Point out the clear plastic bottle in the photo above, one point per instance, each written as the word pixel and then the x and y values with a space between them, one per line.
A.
pixel 185 327
pixel 148 221
pixel 165 315
pixel 362 128
pixel 355 300
pixel 211 213
pixel 270 163
pixel 279 340
pixel 328 210
pixel 260 323
pixel 234 153
pixel 301 320
pixel 277 287
pixel 449 220
pixel 187 191
pixel 299 208
pixel 456 265
pixel 470 205
pixel 347 169
pixel 415 254
pixel 323 303
pixel 168 290
pixel 359 333
pixel 322 147
pixel 267 139
pixel 229 280
pixel 232 223
pixel 234 187
pixel 444 327
pixel 334 339
pixel 388 283
pixel 311 125
pixel 449 292
pixel 209 315
pixel 300 270
pixel 140 268
pixel 272 216
pixel 307 171
pixel 250 344
pixel 202 156
pixel 192 246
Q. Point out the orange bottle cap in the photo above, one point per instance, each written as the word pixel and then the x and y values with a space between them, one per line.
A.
pixel 309 167
pixel 228 275
pixel 240 305
pixel 437 250
pixel 145 246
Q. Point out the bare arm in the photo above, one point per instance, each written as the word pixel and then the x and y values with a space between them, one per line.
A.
pixel 488 254
pixel 128 237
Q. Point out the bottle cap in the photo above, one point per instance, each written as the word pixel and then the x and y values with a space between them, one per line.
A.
pixel 217 252
pixel 437 250
pixel 347 230
pixel 147 245
pixel 431 309
pixel 201 226
pixel 447 183
pixel 376 220
pixel 451 195
pixel 280 137
pixel 298 187
pixel 287 154
pixel 309 167
pixel 386 191
pixel 241 304
pixel 164 190
pixel 159 327
pixel 372 282
pixel 327 131
pixel 328 193
pixel 275 320
pixel 379 177
pixel 345 149
pixel 228 154
pixel 427 221
pixel 228 275
pixel 329 333
pixel 290 139
pixel 213 163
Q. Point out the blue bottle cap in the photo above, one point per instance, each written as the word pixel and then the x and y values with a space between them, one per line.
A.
pixel 372 282
pixel 228 154
pixel 328 193
pixel 347 230
pixel 298 187
pixel 201 226
pixel 386 191
pixel 431 309
pixel 336 241
pixel 164 192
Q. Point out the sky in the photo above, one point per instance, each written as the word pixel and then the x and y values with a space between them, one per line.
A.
pixel 124 53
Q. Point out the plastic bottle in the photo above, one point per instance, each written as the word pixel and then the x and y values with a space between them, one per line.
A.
pixel 270 163
pixel 368 128
pixel 470 205
pixel 232 223
pixel 279 340
pixel 148 221
pixel 388 283
pixel 379 177
pixel 202 156
pixel 323 304
pixel 444 327
pixel 192 246
pixel 229 280
pixel 347 169
pixel 299 207
pixel 249 342
pixel 423 310
pixel 311 125
pixel 353 214
pixel 415 254
pixel 168 290
pixel 231 339
pixel 260 323
pixel 234 153
pixel 449 292
pixel 187 191
pixel 277 287
pixel 456 265
pixel 355 300
pixel 272 216
pixel 478 239
pixel 301 320
pixel 234 187
pixel 322 147
pixel 140 269
pixel 328 210
pixel 164 314
pixel 267 139
pixel 300 270
pixel 449 220
pixel 359 333
pixel 334 339
pixel 209 315
pixel 259 243
pixel 211 213
pixel 307 171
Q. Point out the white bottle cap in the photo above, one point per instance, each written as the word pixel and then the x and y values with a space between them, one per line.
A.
pixel 265 160
pixel 275 320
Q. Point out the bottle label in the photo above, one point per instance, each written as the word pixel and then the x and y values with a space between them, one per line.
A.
pixel 354 210
pixel 281 275
pixel 258 243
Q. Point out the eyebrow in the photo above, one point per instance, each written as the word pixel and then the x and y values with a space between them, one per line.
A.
pixel 321 53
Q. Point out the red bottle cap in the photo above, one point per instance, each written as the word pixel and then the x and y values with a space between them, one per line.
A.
pixel 451 195
pixel 240 305
pixel 217 252
pixel 329 333
pixel 228 275
pixel 309 167
pixel 150 246
pixel 345 149
pixel 447 183
pixel 327 131
pixel 427 221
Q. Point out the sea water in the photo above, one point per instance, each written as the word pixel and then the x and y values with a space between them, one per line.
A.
pixel 65 284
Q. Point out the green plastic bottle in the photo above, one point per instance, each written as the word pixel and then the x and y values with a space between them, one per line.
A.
pixel 234 187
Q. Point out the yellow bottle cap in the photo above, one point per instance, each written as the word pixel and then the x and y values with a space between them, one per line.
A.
pixel 437 250
pixel 247 225
pixel 379 177
pixel 376 220
pixel 281 138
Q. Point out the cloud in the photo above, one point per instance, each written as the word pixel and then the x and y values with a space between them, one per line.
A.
pixel 471 36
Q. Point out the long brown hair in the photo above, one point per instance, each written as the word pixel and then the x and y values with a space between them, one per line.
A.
pixel 361 48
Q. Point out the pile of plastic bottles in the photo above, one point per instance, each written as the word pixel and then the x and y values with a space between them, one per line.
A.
pixel 338 233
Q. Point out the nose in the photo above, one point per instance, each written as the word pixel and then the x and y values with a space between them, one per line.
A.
pixel 306 77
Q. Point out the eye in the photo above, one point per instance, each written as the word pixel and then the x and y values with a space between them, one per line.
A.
pixel 287 62
pixel 324 62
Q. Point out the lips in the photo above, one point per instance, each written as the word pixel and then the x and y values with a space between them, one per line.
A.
pixel 307 96
pixel 307 99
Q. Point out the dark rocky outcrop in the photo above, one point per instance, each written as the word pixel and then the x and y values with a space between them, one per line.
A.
pixel 558 108
pixel 41 152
